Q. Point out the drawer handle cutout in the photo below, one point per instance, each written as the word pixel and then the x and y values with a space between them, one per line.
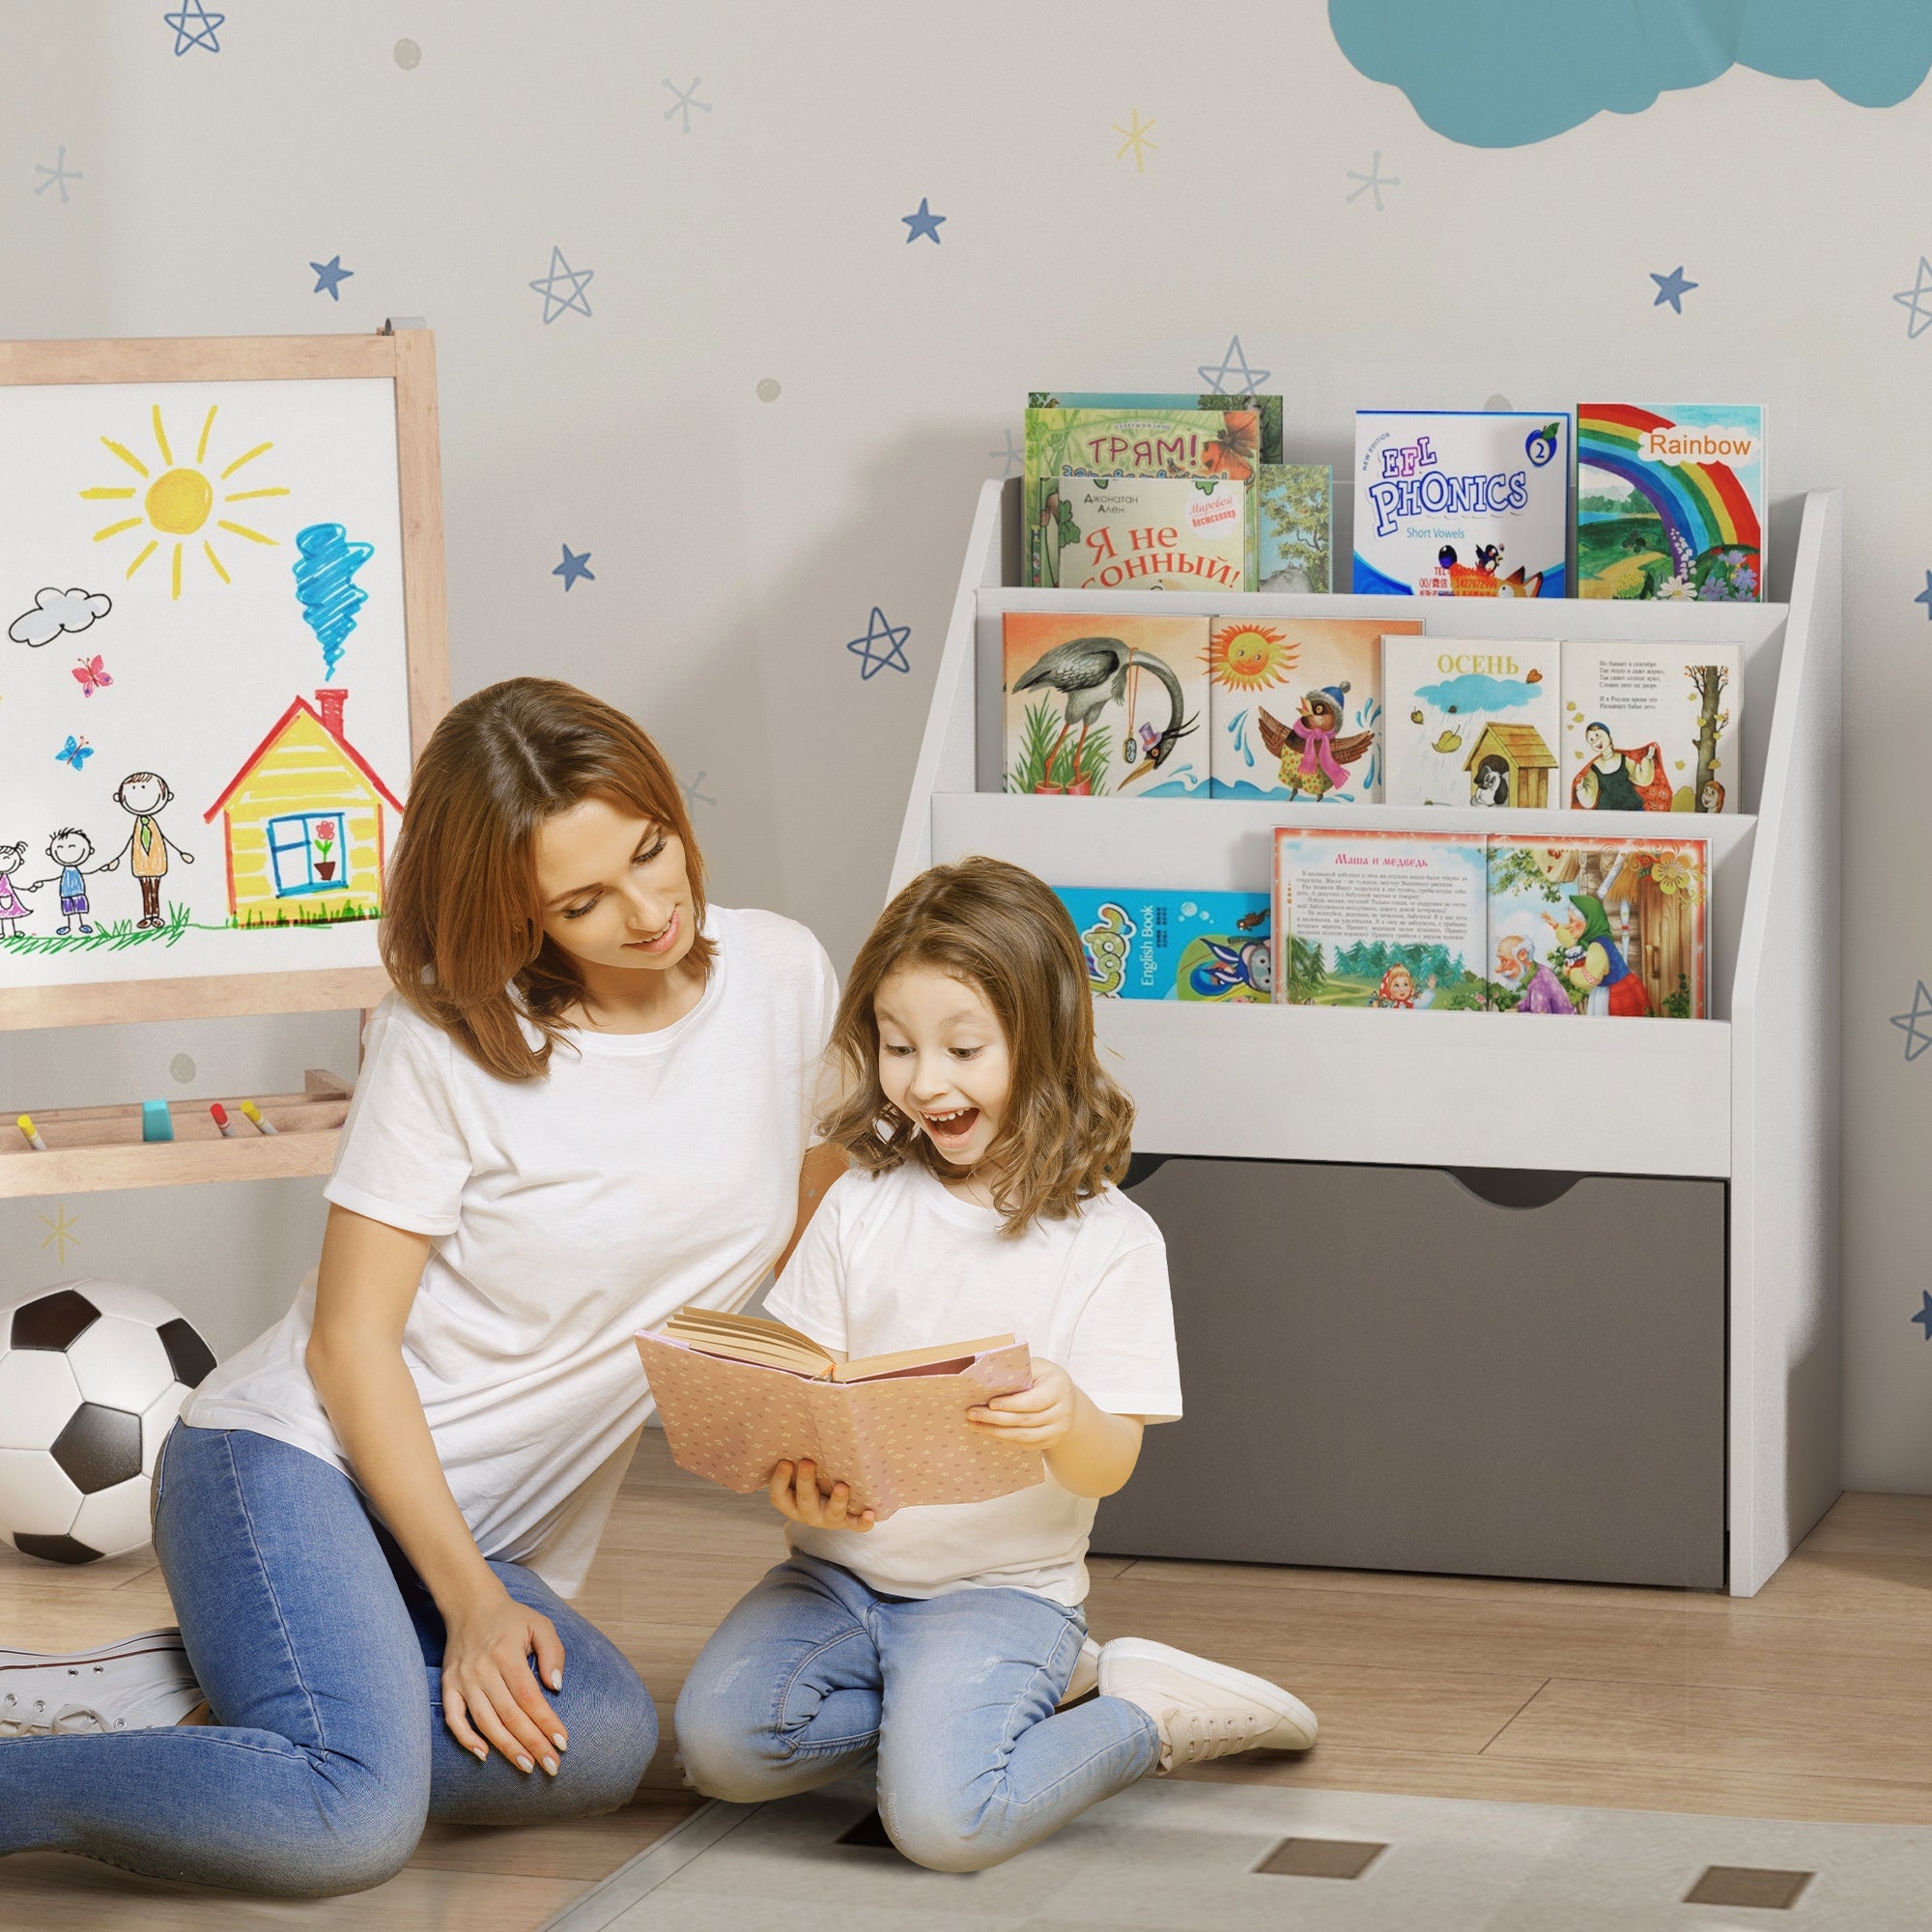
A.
pixel 1515 1186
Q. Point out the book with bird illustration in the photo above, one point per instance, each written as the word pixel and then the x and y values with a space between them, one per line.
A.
pixel 1295 707
pixel 1462 502
pixel 1393 919
pixel 1605 927
pixel 1101 443
pixel 1098 705
pixel 1268 408
pixel 1653 728
pixel 1670 502
pixel 1472 722
pixel 1149 943
pixel 1156 533
pixel 1294 506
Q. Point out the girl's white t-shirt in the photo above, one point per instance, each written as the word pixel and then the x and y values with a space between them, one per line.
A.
pixel 645 1172
pixel 895 1261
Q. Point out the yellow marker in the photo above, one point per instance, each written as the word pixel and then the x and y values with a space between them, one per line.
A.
pixel 254 1114
pixel 25 1124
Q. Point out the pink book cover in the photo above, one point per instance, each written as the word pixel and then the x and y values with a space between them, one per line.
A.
pixel 900 1441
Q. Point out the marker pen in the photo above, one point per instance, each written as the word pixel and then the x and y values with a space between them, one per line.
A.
pixel 254 1114
pixel 228 1128
pixel 25 1124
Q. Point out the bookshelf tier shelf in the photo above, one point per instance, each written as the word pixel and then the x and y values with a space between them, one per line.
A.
pixel 1748 1096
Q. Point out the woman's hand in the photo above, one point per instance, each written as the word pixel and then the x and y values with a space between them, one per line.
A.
pixel 1039 1417
pixel 795 1495
pixel 488 1686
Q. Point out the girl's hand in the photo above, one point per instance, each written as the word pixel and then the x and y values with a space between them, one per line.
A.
pixel 488 1686
pixel 1040 1416
pixel 795 1495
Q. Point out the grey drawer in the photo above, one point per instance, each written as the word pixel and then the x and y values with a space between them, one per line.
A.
pixel 1384 1368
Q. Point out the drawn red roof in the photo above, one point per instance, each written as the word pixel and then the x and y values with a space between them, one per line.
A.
pixel 276 730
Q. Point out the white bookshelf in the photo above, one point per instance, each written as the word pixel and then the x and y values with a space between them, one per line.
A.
pixel 1748 1095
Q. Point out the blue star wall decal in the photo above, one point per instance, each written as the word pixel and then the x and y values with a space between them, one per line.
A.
pixel 1236 364
pixel 1013 457
pixel 1673 288
pixel 329 275
pixel 576 563
pixel 1918 299
pixel 1924 1315
pixel 1914 1024
pixel 684 99
pixel 194 27
pixel 1925 597
pixel 879 632
pixel 925 222
pixel 562 275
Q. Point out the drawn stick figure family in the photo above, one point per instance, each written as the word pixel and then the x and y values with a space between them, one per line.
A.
pixel 143 796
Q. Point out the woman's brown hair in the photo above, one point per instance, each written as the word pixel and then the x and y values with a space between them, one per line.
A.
pixel 462 929
pixel 994 925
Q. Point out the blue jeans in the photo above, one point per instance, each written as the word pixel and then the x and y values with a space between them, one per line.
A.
pixel 813 1674
pixel 320 1653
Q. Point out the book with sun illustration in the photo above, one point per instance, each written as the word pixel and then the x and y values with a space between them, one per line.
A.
pixel 1653 728
pixel 1150 944
pixel 738 1394
pixel 1156 533
pixel 1605 927
pixel 1462 502
pixel 1670 502
pixel 1098 704
pixel 1294 504
pixel 1472 722
pixel 1296 707
pixel 1102 444
pixel 1395 919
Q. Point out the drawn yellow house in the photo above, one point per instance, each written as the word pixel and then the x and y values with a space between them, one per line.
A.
pixel 304 823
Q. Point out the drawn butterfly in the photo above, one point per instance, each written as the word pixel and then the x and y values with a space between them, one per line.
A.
pixel 91 675
pixel 75 751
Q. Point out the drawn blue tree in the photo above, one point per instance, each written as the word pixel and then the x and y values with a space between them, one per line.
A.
pixel 325 587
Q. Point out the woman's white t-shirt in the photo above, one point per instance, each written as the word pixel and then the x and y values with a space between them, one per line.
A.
pixel 645 1172
pixel 895 1261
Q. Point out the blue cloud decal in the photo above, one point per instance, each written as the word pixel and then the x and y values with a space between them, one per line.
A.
pixel 1502 74
pixel 1474 692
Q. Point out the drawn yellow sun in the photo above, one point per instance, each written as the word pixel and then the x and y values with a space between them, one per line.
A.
pixel 1249 656
pixel 178 503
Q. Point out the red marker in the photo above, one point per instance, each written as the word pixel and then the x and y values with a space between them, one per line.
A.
pixel 228 1128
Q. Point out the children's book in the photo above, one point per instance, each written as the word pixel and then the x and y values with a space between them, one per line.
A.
pixel 1154 944
pixel 1156 533
pixel 1268 408
pixel 1600 927
pixel 1101 705
pixel 1296 707
pixel 1653 728
pixel 892 1426
pixel 1462 502
pixel 1114 443
pixel 1379 918
pixel 1294 504
pixel 1670 502
pixel 1472 722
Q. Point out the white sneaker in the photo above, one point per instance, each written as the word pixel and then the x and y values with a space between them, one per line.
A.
pixel 142 1683
pixel 1086 1674
pixel 1202 1709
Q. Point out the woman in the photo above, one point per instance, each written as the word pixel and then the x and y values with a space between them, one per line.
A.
pixel 584 1104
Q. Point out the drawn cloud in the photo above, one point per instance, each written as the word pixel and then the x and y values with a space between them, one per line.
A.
pixel 1502 74
pixel 1475 691
pixel 58 610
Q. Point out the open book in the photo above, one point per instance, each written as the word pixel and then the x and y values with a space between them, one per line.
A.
pixel 738 1394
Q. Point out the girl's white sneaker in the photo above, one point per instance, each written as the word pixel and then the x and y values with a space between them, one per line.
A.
pixel 142 1683
pixel 1203 1709
pixel 1086 1674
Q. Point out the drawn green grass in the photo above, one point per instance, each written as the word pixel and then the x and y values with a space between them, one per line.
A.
pixel 118 935
pixel 1038 730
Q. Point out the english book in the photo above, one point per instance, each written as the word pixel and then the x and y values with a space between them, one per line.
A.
pixel 1472 722
pixel 739 1394
pixel 1462 503
pixel 1156 533
pixel 1670 502
pixel 1146 944
pixel 1653 728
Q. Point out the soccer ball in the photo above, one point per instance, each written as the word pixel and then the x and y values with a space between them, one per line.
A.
pixel 91 1374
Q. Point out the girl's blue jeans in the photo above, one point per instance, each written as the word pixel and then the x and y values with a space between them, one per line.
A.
pixel 814 1675
pixel 319 1653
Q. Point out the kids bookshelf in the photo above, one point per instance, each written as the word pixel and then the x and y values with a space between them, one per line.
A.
pixel 1694 1162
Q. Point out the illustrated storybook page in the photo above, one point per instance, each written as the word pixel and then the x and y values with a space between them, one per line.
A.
pixel 1653 728
pixel 204 686
pixel 1472 722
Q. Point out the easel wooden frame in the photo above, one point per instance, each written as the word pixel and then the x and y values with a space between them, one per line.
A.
pixel 405 354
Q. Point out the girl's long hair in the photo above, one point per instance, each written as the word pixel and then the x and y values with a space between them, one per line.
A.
pixel 996 926
pixel 462 931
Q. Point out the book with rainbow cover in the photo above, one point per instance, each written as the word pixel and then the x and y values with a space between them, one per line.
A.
pixel 1670 502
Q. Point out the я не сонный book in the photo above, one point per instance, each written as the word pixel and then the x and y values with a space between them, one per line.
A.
pixel 738 1394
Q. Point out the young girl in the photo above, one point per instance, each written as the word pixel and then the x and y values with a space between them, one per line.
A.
pixel 985 1138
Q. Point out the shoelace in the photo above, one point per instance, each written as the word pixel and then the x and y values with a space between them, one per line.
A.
pixel 1196 1736
pixel 26 1720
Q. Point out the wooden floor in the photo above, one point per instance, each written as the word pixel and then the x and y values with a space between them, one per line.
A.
pixel 1812 1700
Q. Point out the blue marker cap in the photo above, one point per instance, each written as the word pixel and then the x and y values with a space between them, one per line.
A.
pixel 156 1125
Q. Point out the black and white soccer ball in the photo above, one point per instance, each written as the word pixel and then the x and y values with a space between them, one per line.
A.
pixel 91 1374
